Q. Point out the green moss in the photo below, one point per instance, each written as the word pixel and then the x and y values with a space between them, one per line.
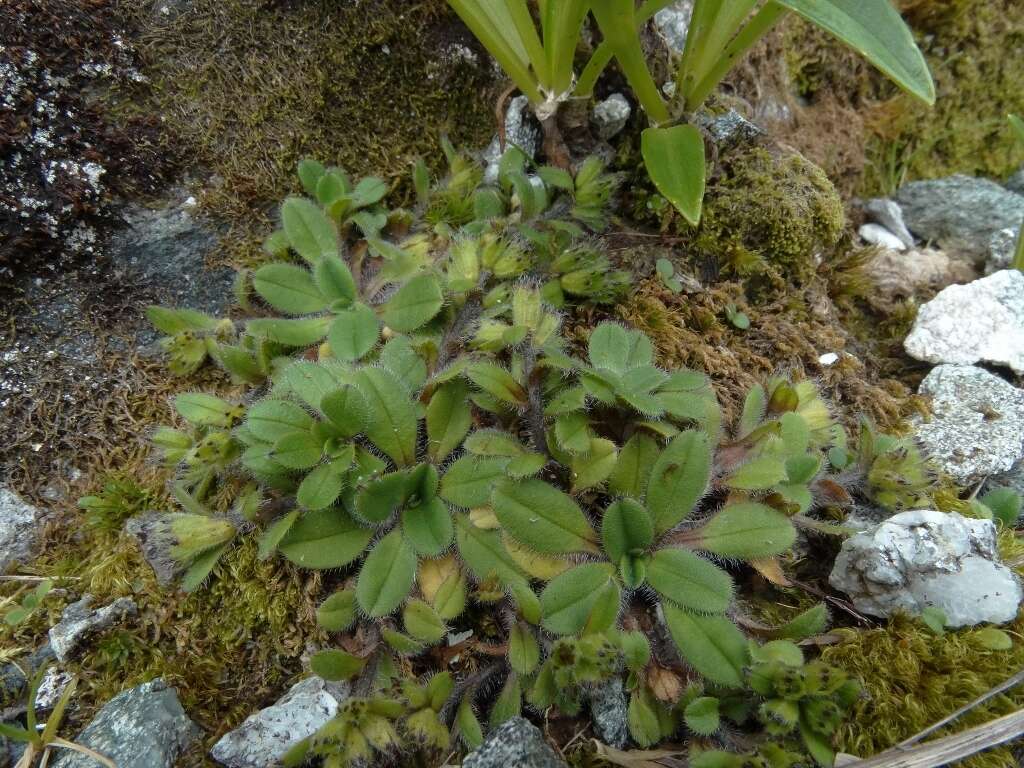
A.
pixel 246 89
pixel 770 209
pixel 969 45
pixel 913 678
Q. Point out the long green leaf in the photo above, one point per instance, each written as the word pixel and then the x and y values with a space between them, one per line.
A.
pixel 493 25
pixel 328 538
pixel 675 161
pixel 562 21
pixel 386 577
pixel 392 423
pixel 710 644
pixel 542 517
pixel 875 30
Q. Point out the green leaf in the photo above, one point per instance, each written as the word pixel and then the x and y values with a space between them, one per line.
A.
pixel 626 529
pixel 542 517
pixel 369 191
pixel 327 538
pixel 422 622
pixel 572 599
pixel 1005 504
pixel 201 567
pixel 757 474
pixel 679 479
pixel 702 716
pixel 393 420
pixel 338 611
pixel 205 410
pixel 573 433
pixel 400 357
pixel 386 576
pixel 271 419
pixel 509 702
pixel 523 649
pixel 633 468
pixel 484 553
pixel 747 530
pixel 310 173
pixel 874 29
pixel 428 527
pixel 379 498
pixel 592 468
pixel 753 411
pixel 469 481
pixel 712 645
pixel 469 727
pixel 309 231
pixel 935 619
pixel 321 487
pixel 334 280
pixel 675 162
pixel 298 450
pixel 642 718
pixel 690 581
pixel 608 347
pixel 288 288
pixel 811 622
pixel 415 303
pixel 992 639
pixel 496 381
pixel 449 418
pixel 174 321
pixel 276 531
pixel 353 332
pixel 347 410
pixel 334 665
pixel 290 333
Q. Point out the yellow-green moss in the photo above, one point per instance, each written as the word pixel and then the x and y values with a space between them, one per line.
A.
pixel 246 88
pixel 770 208
pixel 973 48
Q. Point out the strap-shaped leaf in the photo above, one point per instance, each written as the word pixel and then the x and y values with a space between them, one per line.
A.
pixel 523 649
pixel 448 419
pixel 392 423
pixel 328 538
pixel 633 468
pixel 710 644
pixel 581 598
pixel 310 232
pixel 675 161
pixel 289 289
pixel 386 576
pixel 748 530
pixel 679 479
pixel 690 581
pixel 542 517
pixel 875 30
pixel 414 304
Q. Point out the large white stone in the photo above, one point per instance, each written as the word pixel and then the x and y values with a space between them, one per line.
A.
pixel 977 423
pixel 925 558
pixel 18 529
pixel 876 234
pixel 982 321
pixel 267 735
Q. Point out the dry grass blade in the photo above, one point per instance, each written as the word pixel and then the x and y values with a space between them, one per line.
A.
pixel 950 749
pixel 637 758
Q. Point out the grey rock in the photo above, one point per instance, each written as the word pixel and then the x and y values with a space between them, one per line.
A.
pixel 609 711
pixel 1001 249
pixel 164 249
pixel 143 727
pixel 13 680
pixel 1016 182
pixel 516 743
pixel 876 234
pixel 18 529
pixel 977 423
pixel 899 274
pixel 267 735
pixel 51 687
pixel 79 622
pixel 982 321
pixel 960 213
pixel 925 558
pixel 730 129
pixel 611 115
pixel 886 212
pixel 673 23
pixel 521 130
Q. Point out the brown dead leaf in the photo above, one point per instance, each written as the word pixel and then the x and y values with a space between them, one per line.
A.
pixel 771 569
pixel 664 684
pixel 637 758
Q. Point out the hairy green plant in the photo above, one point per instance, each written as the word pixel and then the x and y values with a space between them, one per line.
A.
pixel 720 34
pixel 419 427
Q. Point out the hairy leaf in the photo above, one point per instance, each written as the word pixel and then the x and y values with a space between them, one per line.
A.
pixel 626 528
pixel 542 517
pixel 570 601
pixel 679 479
pixel 327 538
pixel 386 576
pixel 710 644
pixel 690 581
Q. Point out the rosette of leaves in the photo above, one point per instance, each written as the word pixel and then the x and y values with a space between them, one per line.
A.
pixel 343 265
